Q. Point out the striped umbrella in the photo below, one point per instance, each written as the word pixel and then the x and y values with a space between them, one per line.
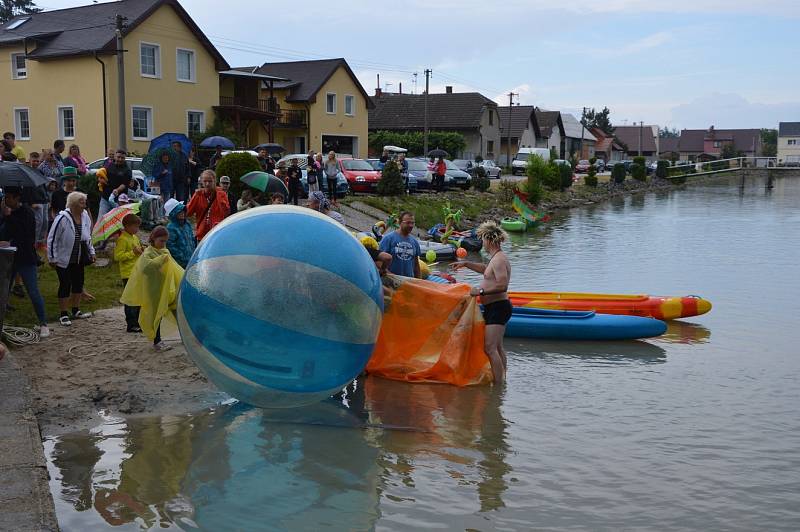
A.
pixel 111 222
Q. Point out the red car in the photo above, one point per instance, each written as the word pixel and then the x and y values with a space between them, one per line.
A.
pixel 582 167
pixel 360 175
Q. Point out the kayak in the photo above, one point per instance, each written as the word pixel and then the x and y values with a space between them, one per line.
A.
pixel 514 225
pixel 443 251
pixel 570 325
pixel 461 239
pixel 660 307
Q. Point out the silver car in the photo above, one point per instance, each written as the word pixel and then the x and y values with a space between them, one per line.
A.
pixel 492 170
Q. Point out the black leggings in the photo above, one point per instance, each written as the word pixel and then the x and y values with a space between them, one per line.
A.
pixel 70 280
pixel 332 189
pixel 294 191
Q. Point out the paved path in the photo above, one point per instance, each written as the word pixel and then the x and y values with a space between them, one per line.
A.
pixel 25 500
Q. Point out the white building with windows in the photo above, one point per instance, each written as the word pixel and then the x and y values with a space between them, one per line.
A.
pixel 789 143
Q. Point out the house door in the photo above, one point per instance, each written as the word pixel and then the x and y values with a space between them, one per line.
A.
pixel 299 144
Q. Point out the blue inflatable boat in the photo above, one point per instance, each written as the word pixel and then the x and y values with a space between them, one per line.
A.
pixel 579 325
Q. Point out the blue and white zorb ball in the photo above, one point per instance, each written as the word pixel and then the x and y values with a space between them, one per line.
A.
pixel 280 306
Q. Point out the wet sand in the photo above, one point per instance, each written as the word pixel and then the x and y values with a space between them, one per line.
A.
pixel 95 365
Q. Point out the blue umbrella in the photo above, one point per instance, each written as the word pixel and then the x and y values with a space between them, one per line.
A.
pixel 213 142
pixel 166 140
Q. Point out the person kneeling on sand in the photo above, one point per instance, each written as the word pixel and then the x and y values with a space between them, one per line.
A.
pixel 153 286
pixel 493 291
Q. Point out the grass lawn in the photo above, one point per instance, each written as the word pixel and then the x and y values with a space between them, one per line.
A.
pixel 103 283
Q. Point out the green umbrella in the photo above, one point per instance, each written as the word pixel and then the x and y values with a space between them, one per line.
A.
pixel 265 183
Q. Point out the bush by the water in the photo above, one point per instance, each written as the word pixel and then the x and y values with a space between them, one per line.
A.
pixel 481 182
pixel 235 165
pixel 638 168
pixel 391 182
pixel 661 169
pixel 591 175
pixel 542 173
pixel 565 176
pixel 506 190
pixel 618 173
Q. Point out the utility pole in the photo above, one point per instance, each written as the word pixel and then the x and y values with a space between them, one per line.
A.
pixel 508 125
pixel 583 127
pixel 641 128
pixel 123 144
pixel 428 73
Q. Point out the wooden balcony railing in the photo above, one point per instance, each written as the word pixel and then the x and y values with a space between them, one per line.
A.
pixel 292 118
pixel 265 106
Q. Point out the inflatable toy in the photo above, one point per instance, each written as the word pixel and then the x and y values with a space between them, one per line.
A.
pixel 443 251
pixel 461 253
pixel 430 255
pixel 514 225
pixel 568 325
pixel 268 318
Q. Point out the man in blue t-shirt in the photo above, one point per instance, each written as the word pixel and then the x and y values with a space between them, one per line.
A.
pixel 403 247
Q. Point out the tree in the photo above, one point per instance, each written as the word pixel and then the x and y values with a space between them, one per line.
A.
pixel 12 8
pixel 667 133
pixel 729 151
pixel 391 182
pixel 235 165
pixel 598 119
pixel 769 142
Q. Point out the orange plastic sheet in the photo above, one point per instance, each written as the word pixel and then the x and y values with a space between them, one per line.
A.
pixel 431 333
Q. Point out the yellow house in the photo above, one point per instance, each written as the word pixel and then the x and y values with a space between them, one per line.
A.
pixel 63 84
pixel 316 105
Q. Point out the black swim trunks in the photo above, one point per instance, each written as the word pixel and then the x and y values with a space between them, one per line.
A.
pixel 497 313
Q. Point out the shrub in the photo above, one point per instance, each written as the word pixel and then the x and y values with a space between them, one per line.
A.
pixel 88 185
pixel 235 165
pixel 640 160
pixel 566 174
pixel 661 169
pixel 592 161
pixel 391 182
pixel 506 190
pixel 534 190
pixel 591 176
pixel 638 169
pixel 542 172
pixel 553 154
pixel 480 182
pixel 618 173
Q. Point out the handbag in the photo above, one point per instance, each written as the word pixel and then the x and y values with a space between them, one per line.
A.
pixel 86 257
pixel 312 177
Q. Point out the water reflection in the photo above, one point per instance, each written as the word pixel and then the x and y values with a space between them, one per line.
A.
pixel 614 352
pixel 684 332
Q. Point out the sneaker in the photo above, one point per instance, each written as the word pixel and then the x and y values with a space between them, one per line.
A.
pixel 134 329
pixel 18 290
pixel 161 346
pixel 44 331
pixel 80 315
pixel 65 321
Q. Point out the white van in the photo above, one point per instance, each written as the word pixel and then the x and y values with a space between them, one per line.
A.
pixel 520 161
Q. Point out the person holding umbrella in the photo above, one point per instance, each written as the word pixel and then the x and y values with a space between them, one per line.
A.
pixel 19 230
pixel 69 251
pixel 209 205
pixel 163 174
pixel 180 171
pixel 294 173
pixel 215 158
pixel 440 168
pixel 119 176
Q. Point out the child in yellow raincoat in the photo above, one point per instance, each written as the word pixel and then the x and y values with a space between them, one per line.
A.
pixel 153 286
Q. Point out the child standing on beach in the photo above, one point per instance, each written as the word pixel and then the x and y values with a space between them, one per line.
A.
pixel 153 286
pixel 126 253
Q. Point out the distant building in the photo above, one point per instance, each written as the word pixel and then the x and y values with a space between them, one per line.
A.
pixel 469 113
pixel 551 131
pixel 606 147
pixel 669 148
pixel 578 140
pixel 789 143
pixel 638 140
pixel 707 144
pixel 519 124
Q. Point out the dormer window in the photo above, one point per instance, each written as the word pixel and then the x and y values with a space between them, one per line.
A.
pixel 17 23
pixel 19 68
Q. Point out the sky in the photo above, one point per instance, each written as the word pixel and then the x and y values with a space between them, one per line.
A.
pixel 677 63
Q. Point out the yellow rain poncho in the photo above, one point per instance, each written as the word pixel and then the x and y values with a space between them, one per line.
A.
pixel 153 286
pixel 431 333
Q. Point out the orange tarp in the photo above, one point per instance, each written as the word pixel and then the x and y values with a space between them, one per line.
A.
pixel 431 333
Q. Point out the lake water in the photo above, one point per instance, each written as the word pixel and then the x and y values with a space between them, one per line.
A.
pixel 698 429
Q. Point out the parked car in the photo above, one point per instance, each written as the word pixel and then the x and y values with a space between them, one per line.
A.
pixel 465 165
pixel 342 188
pixel 286 160
pixel 562 161
pixel 520 162
pixel 651 167
pixel 582 167
pixel 492 170
pixel 600 165
pixel 134 163
pixel 360 175
pixel 375 164
pixel 460 177
pixel 425 180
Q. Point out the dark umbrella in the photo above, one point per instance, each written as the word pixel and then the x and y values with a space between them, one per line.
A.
pixel 271 148
pixel 165 140
pixel 438 153
pixel 265 183
pixel 151 161
pixel 213 142
pixel 20 175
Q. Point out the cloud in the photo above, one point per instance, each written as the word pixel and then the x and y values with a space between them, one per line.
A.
pixel 733 111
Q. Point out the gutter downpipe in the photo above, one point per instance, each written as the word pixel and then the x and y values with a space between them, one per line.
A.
pixel 105 108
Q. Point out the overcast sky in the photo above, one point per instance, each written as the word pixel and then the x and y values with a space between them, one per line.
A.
pixel 679 63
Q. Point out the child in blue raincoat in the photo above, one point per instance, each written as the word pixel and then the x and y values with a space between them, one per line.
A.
pixel 181 242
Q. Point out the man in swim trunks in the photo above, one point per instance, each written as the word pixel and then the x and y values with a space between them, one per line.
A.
pixel 493 291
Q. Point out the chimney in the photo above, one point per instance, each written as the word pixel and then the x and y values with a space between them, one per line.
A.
pixel 401 87
pixel 448 89
pixel 378 92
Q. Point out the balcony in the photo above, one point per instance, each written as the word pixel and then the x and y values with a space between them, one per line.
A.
pixel 295 118
pixel 249 108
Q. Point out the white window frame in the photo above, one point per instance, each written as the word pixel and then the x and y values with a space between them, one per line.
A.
pixel 352 105
pixel 202 120
pixel 62 134
pixel 193 74
pixel 157 60
pixel 791 142
pixel 150 121
pixel 334 103
pixel 18 123
pixel 15 72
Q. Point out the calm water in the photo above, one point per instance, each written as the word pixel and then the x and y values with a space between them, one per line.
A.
pixel 696 430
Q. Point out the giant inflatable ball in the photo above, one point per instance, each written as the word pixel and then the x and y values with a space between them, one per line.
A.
pixel 280 306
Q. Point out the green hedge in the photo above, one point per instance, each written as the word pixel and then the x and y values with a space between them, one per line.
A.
pixel 235 165
pixel 618 173
pixel 391 182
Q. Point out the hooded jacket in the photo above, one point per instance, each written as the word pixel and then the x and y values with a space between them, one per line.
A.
pixel 62 237
pixel 181 242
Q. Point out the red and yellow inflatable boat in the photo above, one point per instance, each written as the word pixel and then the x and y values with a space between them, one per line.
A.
pixel 659 307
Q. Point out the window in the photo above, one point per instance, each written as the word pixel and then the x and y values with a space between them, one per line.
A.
pixel 66 122
pixel 792 142
pixel 17 23
pixel 490 145
pixel 716 144
pixel 349 105
pixel 185 65
pixel 491 117
pixel 195 122
pixel 19 70
pixel 150 60
pixel 22 123
pixel 142 122
pixel 330 103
